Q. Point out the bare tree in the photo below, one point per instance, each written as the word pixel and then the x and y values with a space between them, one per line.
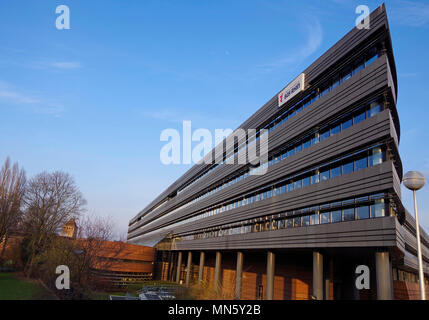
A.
pixel 99 252
pixel 51 199
pixel 12 188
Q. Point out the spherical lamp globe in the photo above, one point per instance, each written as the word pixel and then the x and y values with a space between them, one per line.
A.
pixel 414 180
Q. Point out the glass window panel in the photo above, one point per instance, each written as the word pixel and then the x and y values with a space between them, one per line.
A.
pixel 296 222
pixel 289 223
pixel 335 172
pixel 371 59
pixel 298 148
pixel 314 219
pixel 359 117
pixel 362 212
pixel 346 124
pixel 324 175
pixel 315 178
pixel 349 214
pixel 359 65
pixel 290 187
pixel 290 152
pixel 347 168
pixel 374 108
pixel 305 221
pixel 307 102
pixel 361 163
pixel 324 134
pixel 325 217
pixel 346 74
pixel 378 209
pixel 306 143
pixel 376 156
pixel 336 216
pixel 306 182
pixel 299 109
pixel 315 139
pixel 336 81
pixel 335 130
pixel 298 184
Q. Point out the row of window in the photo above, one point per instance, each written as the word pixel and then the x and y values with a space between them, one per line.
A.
pixel 344 165
pixel 362 62
pixel 348 120
pixel 367 207
pixel 401 275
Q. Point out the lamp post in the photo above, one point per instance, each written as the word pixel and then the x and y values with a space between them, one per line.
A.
pixel 414 181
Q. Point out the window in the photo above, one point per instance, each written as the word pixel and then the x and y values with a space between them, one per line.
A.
pixel 335 172
pixel 336 81
pixel 305 221
pixel 325 217
pixel 346 74
pixel 291 152
pixel 336 216
pixel 376 156
pixel 296 222
pixel 324 175
pixel 349 214
pixel 362 212
pixel 374 108
pixel 298 148
pixel 359 65
pixel 324 89
pixel 347 123
pixel 335 130
pixel 306 182
pixel 306 144
pixel 378 209
pixel 324 134
pixel 359 117
pixel 290 187
pixel 347 168
pixel 298 184
pixel 361 163
pixel 314 219
pixel 315 178
pixel 371 57
pixel 315 139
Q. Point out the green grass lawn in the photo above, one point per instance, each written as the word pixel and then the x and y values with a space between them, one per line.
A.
pixel 13 287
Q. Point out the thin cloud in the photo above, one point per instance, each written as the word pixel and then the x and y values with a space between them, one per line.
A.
pixel 314 40
pixel 10 95
pixel 56 65
pixel 410 13
pixel 66 65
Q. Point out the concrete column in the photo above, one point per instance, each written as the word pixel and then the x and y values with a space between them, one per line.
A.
pixel 173 266
pixel 271 263
pixel 201 268
pixel 170 260
pixel 238 276
pixel 317 275
pixel 384 280
pixel 188 268
pixel 179 266
pixel 217 270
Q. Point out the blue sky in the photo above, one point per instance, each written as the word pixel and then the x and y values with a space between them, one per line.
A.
pixel 93 100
